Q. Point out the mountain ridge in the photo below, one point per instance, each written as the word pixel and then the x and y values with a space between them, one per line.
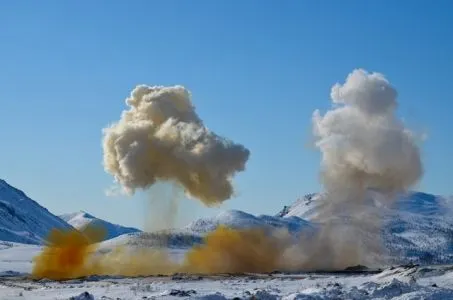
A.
pixel 24 220
pixel 81 219
pixel 417 226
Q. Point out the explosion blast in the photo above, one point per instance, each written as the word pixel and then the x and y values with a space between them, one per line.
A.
pixel 364 147
pixel 161 138
pixel 224 250
pixel 233 251
pixel 67 254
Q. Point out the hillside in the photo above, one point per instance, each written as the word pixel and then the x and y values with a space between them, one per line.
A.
pixel 23 220
pixel 82 219
pixel 193 232
pixel 178 239
pixel 417 227
pixel 239 219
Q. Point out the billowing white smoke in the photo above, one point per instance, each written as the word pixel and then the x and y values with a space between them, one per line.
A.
pixel 161 138
pixel 364 147
pixel 362 142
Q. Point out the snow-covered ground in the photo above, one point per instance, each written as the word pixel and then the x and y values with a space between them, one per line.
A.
pixel 17 258
pixel 404 282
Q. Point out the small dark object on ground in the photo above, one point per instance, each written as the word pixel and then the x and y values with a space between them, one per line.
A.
pixel 410 265
pixel 177 276
pixel 357 268
pixel 181 293
pixel 83 296
pixel 184 276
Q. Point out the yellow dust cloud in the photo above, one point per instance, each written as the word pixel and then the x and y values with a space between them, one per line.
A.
pixel 228 250
pixel 67 253
pixel 72 254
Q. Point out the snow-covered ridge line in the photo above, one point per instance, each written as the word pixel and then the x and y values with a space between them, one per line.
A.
pixel 81 219
pixel 23 220
pixel 417 227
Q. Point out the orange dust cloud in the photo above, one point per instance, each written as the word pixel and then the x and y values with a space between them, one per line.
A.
pixel 72 254
pixel 66 255
pixel 131 263
pixel 227 250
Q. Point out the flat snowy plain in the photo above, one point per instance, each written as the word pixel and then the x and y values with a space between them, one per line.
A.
pixel 403 282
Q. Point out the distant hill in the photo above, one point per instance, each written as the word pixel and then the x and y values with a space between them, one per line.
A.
pixel 23 220
pixel 417 227
pixel 239 219
pixel 193 233
pixel 82 219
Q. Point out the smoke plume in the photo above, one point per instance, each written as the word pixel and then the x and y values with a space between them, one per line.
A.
pixel 362 142
pixel 233 251
pixel 67 254
pixel 364 147
pixel 162 207
pixel 73 254
pixel 161 138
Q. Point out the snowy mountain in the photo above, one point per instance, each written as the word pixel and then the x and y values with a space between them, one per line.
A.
pixel 305 207
pixel 179 239
pixel 418 227
pixel 238 219
pixel 193 233
pixel 82 219
pixel 23 220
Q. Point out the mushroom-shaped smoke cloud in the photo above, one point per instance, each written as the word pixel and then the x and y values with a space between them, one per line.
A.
pixel 161 138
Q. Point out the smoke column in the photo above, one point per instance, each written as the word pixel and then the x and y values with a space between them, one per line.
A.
pixel 362 142
pixel 162 207
pixel 161 138
pixel 364 147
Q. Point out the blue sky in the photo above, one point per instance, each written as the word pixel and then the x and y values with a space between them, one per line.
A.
pixel 256 70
